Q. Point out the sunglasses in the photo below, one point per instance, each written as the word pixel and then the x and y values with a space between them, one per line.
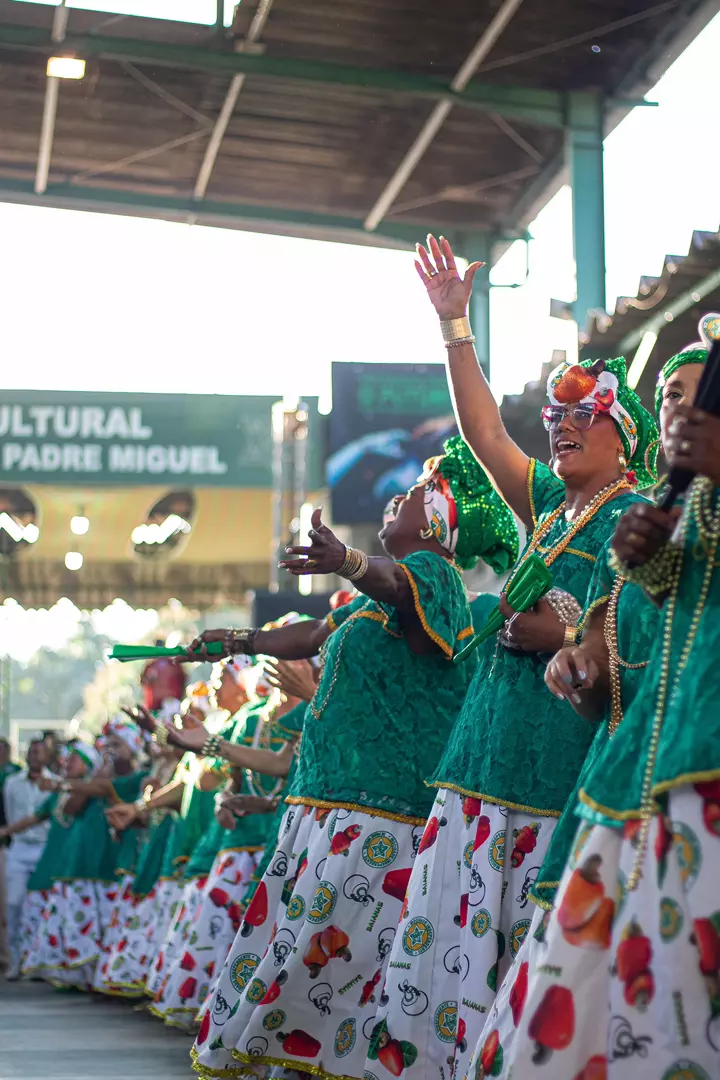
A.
pixel 580 416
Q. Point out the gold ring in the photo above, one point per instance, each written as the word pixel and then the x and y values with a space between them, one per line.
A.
pixel 309 563
pixel 633 536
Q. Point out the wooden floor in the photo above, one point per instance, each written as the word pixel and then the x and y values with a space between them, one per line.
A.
pixel 51 1035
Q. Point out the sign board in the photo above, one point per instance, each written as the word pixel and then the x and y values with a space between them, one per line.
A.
pixel 88 439
pixel 386 420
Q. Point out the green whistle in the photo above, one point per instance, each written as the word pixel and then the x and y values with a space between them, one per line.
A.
pixel 529 585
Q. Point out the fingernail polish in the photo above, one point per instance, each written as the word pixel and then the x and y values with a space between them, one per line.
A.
pixel 582 675
pixel 287 551
pixel 576 698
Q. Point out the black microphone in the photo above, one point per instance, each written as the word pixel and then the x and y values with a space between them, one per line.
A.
pixel 707 398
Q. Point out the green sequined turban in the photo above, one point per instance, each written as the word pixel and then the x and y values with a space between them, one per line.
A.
pixel 637 428
pixel 486 526
pixel 687 356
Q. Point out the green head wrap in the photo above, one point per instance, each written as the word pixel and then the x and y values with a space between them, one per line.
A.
pixel 465 513
pixel 693 355
pixel 603 383
pixel 697 353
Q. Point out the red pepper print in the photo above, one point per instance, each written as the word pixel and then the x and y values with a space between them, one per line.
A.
pixel 596 1069
pixel 553 1023
pixel 471 809
pixel 519 992
pixel 297 1043
pixel 430 833
pixel 524 841
pixel 395 882
pixel 341 841
pixel 632 966
pixel 257 910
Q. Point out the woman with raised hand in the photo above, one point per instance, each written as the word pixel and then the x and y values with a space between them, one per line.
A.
pixel 629 959
pixel 515 752
pixel 377 724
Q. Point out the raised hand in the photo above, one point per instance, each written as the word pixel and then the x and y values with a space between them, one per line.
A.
pixel 536 630
pixel 189 738
pixel 325 555
pixel 294 677
pixel 448 292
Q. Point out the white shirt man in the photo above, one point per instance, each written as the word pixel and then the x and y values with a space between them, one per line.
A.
pixel 23 796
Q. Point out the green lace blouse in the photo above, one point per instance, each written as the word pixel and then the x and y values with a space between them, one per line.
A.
pixel 637 628
pixel 513 742
pixel 251 832
pixel 689 740
pixel 96 854
pixel 382 714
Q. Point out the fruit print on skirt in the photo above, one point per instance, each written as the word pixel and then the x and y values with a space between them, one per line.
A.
pixel 626 985
pixel 145 926
pixel 467 914
pixel 173 946
pixel 47 950
pixel 309 1003
pixel 264 912
pixel 215 923
pixel 173 901
pixel 33 907
pixel 113 926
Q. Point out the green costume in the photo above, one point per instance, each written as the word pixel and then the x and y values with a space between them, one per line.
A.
pixel 250 833
pixel 94 855
pixel 54 853
pixel 517 764
pixel 637 621
pixel 381 714
pixel 689 725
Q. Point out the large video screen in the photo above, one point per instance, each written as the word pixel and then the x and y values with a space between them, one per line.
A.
pixel 386 420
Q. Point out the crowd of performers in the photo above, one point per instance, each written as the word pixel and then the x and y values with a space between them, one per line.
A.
pixel 383 863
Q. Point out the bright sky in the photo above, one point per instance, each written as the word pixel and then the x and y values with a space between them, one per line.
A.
pixel 107 303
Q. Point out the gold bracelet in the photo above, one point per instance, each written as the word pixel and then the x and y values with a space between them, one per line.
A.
pixel 570 638
pixel 355 564
pixel 456 330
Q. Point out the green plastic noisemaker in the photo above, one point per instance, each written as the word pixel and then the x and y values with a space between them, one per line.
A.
pixel 125 653
pixel 529 585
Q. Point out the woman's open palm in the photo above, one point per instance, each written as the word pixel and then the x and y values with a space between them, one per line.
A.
pixel 448 292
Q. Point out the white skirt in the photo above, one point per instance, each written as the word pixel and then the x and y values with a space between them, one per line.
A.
pixel 467 915
pixel 307 1002
pixel 208 937
pixel 622 985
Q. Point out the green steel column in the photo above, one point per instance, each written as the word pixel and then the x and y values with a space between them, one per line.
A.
pixel 476 247
pixel 584 157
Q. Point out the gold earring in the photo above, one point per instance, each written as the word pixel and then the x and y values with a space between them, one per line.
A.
pixel 648 463
pixel 623 461
pixel 426 534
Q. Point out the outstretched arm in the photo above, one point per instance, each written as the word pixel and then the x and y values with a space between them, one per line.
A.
pixel 20 826
pixel 476 410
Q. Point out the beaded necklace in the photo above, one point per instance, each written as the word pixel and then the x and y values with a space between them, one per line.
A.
pixel 708 522
pixel 587 514
pixel 615 659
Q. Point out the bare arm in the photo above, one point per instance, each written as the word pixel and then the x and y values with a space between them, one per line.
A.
pixel 169 796
pixel 268 762
pixel 19 826
pixel 476 410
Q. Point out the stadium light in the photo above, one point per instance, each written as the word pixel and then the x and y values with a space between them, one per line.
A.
pixel 79 525
pixel 65 67
pixel 73 560
pixel 158 534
